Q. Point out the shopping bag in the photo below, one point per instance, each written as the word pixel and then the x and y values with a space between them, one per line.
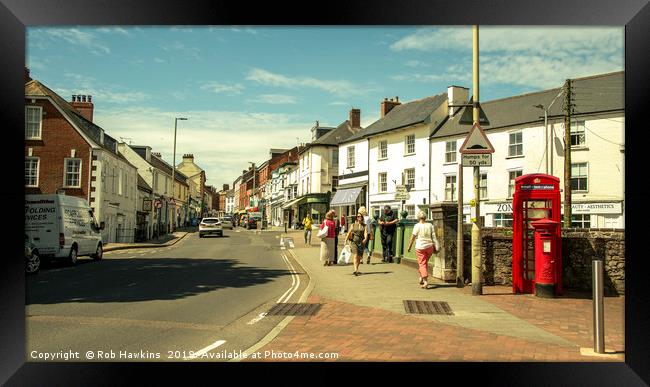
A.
pixel 322 233
pixel 344 257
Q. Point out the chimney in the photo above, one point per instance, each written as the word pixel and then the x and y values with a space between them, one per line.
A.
pixel 84 105
pixel 27 77
pixel 388 105
pixel 188 157
pixel 225 187
pixel 456 95
pixel 157 154
pixel 355 118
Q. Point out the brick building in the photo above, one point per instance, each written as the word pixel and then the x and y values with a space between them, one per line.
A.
pixel 65 152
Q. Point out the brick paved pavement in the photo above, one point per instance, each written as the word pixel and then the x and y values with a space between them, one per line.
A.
pixel 362 319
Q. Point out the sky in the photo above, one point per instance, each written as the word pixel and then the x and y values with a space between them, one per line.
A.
pixel 248 89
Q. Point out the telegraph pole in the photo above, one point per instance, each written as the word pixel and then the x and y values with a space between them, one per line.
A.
pixel 477 286
pixel 460 281
pixel 568 108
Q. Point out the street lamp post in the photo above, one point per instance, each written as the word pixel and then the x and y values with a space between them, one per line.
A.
pixel 174 166
pixel 546 134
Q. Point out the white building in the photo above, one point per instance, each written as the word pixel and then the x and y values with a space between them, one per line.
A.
pixel 398 151
pixel 515 127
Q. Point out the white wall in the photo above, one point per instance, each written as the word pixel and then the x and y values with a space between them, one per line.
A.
pixel 395 165
pixel 602 152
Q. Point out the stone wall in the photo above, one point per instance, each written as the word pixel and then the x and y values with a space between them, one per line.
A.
pixel 579 248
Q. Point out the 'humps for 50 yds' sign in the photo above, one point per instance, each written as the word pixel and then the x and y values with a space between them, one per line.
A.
pixel 477 159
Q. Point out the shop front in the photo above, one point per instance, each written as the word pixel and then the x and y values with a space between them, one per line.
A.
pixel 348 199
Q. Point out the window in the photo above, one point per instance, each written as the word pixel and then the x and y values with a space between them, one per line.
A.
pixel 511 181
pixel 335 157
pixel 450 188
pixel 409 144
pixel 578 133
pixel 579 177
pixel 335 182
pixel 503 220
pixel 516 147
pixel 33 122
pixel 383 150
pixel 351 157
pixel 450 152
pixel 581 221
pixel 483 192
pixel 31 171
pixel 383 184
pixel 409 177
pixel 72 173
pixel 307 184
pixel 411 210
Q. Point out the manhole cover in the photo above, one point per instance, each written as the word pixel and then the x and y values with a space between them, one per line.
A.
pixel 427 307
pixel 294 309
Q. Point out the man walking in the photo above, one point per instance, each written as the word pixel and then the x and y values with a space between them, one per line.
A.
pixel 387 222
pixel 307 223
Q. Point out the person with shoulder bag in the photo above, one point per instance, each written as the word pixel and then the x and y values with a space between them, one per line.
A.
pixel 327 234
pixel 358 237
pixel 426 243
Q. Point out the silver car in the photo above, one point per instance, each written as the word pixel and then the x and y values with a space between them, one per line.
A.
pixel 226 223
pixel 210 226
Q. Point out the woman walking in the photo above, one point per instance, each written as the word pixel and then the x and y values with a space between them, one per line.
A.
pixel 358 237
pixel 327 243
pixel 426 243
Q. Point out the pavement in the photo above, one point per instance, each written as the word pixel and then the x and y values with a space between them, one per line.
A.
pixel 363 319
pixel 163 241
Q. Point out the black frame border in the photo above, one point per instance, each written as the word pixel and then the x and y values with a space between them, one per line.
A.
pixel 16 15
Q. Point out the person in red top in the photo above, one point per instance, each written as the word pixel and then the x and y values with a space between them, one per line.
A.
pixel 327 243
pixel 342 223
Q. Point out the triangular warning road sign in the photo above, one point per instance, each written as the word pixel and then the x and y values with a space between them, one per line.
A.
pixel 476 141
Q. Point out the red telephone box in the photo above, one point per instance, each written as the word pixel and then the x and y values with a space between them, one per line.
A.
pixel 536 197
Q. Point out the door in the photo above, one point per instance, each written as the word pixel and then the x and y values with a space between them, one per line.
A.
pixel 532 210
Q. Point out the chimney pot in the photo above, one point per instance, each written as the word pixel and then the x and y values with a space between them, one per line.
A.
pixel 90 98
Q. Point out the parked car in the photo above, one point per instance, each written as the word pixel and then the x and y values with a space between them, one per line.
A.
pixel 210 226
pixel 62 227
pixel 32 258
pixel 226 222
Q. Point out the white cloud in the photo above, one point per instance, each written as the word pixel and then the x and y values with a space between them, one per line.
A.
pixel 220 88
pixel 159 60
pixel 275 99
pixel 527 56
pixel 81 84
pixel 113 30
pixel 338 103
pixel 77 37
pixel 222 141
pixel 268 78
pixel 245 30
pixel 416 63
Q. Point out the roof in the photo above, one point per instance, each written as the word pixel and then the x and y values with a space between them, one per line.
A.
pixel 594 94
pixel 143 184
pixel 333 137
pixel 403 115
pixel 161 164
pixel 35 88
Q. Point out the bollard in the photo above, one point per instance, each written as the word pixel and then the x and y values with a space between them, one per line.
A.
pixel 285 228
pixel 599 326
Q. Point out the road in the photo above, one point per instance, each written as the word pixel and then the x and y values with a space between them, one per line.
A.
pixel 201 295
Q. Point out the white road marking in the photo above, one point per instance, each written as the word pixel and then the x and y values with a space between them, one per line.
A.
pixel 205 350
pixel 256 319
pixel 295 282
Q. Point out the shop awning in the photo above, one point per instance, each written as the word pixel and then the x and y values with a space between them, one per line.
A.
pixel 290 203
pixel 345 197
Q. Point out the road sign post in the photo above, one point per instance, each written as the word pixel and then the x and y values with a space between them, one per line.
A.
pixel 476 152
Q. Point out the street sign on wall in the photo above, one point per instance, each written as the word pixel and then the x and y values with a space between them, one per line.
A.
pixel 476 159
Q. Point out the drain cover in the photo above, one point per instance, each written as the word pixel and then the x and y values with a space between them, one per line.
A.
pixel 294 309
pixel 427 307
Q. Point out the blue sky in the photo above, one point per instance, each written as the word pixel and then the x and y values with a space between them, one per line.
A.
pixel 249 89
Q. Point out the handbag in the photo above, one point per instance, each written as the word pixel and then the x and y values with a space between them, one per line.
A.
pixel 323 232
pixel 344 257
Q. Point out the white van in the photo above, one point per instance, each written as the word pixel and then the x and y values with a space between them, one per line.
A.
pixel 62 227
